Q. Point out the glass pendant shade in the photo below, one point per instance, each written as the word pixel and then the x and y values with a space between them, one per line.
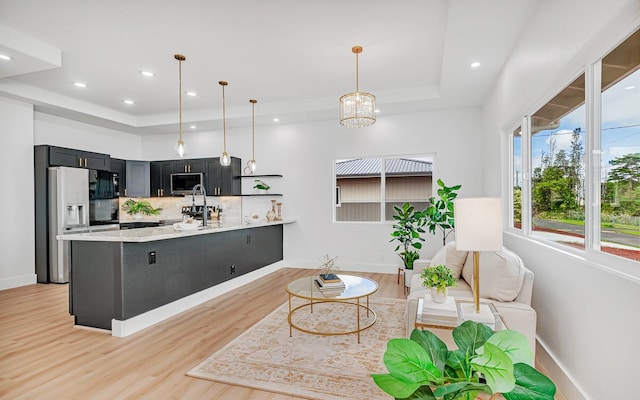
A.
pixel 180 148
pixel 252 165
pixel 225 160
pixel 357 109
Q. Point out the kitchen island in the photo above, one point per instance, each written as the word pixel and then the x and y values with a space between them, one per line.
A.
pixel 126 280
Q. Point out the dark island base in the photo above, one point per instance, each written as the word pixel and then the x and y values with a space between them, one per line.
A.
pixel 116 280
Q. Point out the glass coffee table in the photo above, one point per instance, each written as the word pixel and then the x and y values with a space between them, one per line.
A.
pixel 355 289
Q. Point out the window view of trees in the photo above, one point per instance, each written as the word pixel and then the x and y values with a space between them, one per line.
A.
pixel 557 170
pixel 559 144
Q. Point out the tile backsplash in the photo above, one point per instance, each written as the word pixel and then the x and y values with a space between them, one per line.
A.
pixel 172 207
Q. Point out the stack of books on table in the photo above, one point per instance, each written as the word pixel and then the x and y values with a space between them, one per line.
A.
pixel 330 285
pixel 445 313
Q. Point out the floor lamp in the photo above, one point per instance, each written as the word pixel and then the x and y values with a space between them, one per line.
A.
pixel 478 228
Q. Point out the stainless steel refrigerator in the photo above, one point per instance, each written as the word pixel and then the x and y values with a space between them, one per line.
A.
pixel 68 213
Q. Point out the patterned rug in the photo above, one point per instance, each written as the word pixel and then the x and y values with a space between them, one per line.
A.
pixel 315 367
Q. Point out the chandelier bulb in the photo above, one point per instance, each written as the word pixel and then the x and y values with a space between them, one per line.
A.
pixel 180 148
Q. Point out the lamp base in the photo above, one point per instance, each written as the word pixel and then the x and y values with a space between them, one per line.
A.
pixel 469 313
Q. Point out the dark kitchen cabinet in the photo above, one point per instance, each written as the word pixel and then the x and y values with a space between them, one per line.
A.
pixel 223 181
pixel 138 178
pixel 160 174
pixel 189 165
pixel 60 156
pixel 119 167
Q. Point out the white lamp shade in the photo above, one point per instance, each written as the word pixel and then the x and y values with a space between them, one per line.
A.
pixel 478 224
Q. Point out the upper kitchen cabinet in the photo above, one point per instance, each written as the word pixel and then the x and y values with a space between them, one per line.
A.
pixel 223 181
pixel 119 167
pixel 189 165
pixel 161 178
pixel 138 177
pixel 60 156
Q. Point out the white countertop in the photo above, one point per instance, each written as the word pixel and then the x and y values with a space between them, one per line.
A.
pixel 164 232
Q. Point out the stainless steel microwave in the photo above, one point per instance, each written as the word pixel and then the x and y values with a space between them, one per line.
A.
pixel 183 183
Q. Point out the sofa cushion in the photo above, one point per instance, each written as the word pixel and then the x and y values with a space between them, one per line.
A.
pixel 452 258
pixel 501 274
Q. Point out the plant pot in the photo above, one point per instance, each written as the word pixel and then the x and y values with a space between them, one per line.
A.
pixel 137 217
pixel 438 297
pixel 408 274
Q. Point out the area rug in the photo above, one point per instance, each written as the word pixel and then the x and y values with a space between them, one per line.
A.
pixel 311 366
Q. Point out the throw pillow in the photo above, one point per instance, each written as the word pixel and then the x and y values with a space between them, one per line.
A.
pixel 501 274
pixel 452 258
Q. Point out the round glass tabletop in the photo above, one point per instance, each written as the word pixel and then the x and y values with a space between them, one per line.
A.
pixel 354 287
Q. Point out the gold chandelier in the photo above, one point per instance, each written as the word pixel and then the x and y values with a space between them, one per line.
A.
pixel 180 147
pixel 357 109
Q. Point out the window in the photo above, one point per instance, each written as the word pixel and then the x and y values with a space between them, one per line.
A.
pixel 594 121
pixel 620 151
pixel 367 189
pixel 557 178
pixel 516 143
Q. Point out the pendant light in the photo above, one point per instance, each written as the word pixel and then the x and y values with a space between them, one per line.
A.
pixel 357 109
pixel 180 148
pixel 225 160
pixel 251 165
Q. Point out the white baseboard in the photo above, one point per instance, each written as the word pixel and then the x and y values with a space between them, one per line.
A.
pixel 142 321
pixel 17 281
pixel 557 373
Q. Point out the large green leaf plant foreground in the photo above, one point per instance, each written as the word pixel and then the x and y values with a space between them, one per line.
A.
pixel 422 368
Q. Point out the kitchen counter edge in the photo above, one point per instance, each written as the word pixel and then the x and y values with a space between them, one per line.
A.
pixel 141 235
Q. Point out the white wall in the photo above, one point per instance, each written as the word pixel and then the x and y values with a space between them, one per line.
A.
pixel 63 132
pixel 585 314
pixel 304 154
pixel 17 256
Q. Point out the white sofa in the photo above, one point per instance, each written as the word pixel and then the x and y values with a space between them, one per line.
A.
pixel 504 281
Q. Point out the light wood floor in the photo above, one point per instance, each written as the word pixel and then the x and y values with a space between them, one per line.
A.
pixel 42 356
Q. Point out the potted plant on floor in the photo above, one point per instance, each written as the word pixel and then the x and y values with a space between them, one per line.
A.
pixel 497 363
pixel 439 214
pixel 138 208
pixel 407 229
pixel 438 278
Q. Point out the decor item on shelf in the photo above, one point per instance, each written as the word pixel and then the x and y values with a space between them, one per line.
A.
pixel 251 164
pixel 357 109
pixel 180 147
pixel 438 278
pixel 139 208
pixel 225 160
pixel 279 212
pixel 439 213
pixel 407 229
pixel 271 214
pixel 479 228
pixel 485 362
pixel 260 185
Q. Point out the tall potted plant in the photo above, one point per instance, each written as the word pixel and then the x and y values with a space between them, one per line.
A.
pixel 407 229
pixel 439 213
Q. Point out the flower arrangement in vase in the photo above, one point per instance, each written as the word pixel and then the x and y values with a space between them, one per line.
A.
pixel 438 278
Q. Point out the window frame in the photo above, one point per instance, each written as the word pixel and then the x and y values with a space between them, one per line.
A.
pixel 592 253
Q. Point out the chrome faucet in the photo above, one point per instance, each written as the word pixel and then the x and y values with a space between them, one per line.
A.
pixel 205 210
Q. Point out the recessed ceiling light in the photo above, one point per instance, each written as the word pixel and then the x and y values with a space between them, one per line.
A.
pixel 192 126
pixel 80 84
pixel 5 57
pixel 475 64
pixel 128 101
pixel 192 94
pixel 148 74
pixel 276 120
pixel 630 87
